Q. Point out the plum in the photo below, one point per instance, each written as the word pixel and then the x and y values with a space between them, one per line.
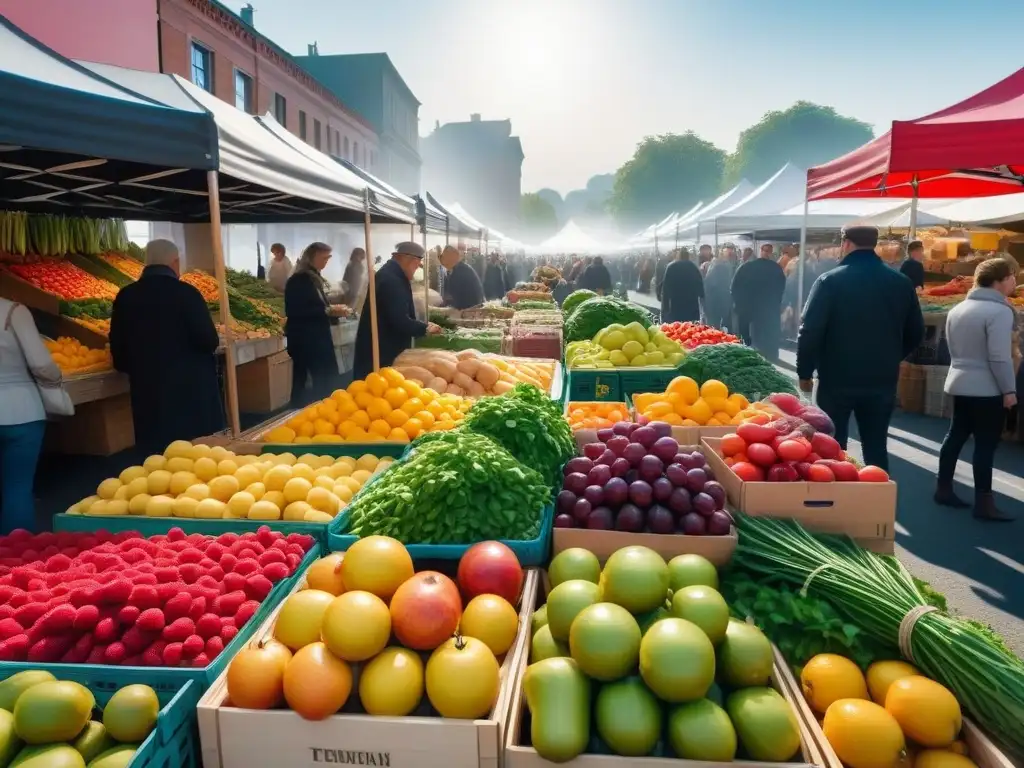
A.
pixel 650 468
pixel 564 521
pixel 623 428
pixel 703 504
pixel 680 501
pixel 594 494
pixel 600 474
pixel 579 464
pixel 581 510
pixel 601 519
pixel 607 458
pixel 661 428
pixel 695 479
pixel 693 524
pixel 692 460
pixel 645 436
pixel 641 494
pixel 660 520
pixel 630 518
pixel 605 434
pixel 782 473
pixel 634 454
pixel 665 448
pixel 714 489
pixel 576 482
pixel 617 444
pixel 662 489
pixel 676 473
pixel 593 450
pixel 620 467
pixel 719 524
pixel 566 501
pixel 616 491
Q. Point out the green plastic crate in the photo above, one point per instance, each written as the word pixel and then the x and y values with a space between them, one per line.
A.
pixel 167 678
pixel 639 380
pixel 173 742
pixel 589 385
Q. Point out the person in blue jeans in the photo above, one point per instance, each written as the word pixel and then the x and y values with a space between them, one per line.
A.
pixel 24 360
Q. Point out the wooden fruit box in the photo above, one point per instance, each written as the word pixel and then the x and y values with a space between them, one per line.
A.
pixel 980 747
pixel 241 738
pixel 520 755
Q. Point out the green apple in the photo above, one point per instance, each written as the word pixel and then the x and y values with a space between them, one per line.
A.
pixel 632 348
pixel 617 358
pixel 639 361
pixel 613 340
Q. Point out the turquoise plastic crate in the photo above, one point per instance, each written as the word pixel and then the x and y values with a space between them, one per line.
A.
pixel 336 450
pixel 167 678
pixel 173 742
pixel 533 552
pixel 589 385
pixel 152 526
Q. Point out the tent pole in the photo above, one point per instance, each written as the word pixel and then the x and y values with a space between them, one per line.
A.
pixel 426 278
pixel 371 283
pixel 800 265
pixel 447 229
pixel 716 234
pixel 913 209
pixel 219 272
pixel 677 234
pixel 696 238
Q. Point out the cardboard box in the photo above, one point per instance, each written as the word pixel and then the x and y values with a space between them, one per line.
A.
pixel 981 748
pixel 98 428
pixel 864 511
pixel 265 384
pixel 242 738
pixel 519 755
pixel 717 549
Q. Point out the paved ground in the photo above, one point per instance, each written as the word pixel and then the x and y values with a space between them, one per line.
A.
pixel 978 566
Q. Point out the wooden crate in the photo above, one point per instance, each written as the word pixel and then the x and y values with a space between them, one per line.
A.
pixel 98 428
pixel 981 748
pixel 265 384
pixel 518 755
pixel 241 738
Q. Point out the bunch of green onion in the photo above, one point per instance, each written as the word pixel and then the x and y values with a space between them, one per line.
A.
pixel 876 593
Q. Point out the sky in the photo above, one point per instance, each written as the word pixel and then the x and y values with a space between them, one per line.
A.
pixel 583 81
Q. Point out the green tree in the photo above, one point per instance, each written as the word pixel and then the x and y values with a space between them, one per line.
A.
pixel 666 173
pixel 537 216
pixel 806 135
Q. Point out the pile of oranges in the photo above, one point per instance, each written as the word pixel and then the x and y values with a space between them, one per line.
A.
pixel 687 404
pixel 595 415
pixel 385 406
pixel 73 357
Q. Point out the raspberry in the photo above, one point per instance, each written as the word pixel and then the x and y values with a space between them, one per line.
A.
pixel 132 661
pixel 167 591
pixel 200 661
pixel 106 630
pixel 175 534
pixel 151 620
pixel 209 582
pixel 135 639
pixel 128 615
pixel 50 649
pixel 41 595
pixel 208 625
pixel 9 628
pixel 179 629
pixel 82 596
pixel 228 605
pixel 114 653
pixel 86 618
pixel 193 646
pixel 276 571
pixel 198 608
pixel 216 573
pixel 166 574
pixel 144 596
pixel 57 620
pixel 134 556
pixel 246 566
pixel 281 545
pixel 29 614
pixel 172 654
pixel 116 592
pixel 245 612
pixel 215 550
pixel 297 549
pixel 227 539
pixel 154 655
pixel 190 555
pixel 177 606
pixel 239 547
pixel 233 582
pixel 258 586
pixel 214 646
pixel 14 648
pixel 80 651
pixel 271 556
pixel 293 562
pixel 58 563
pixel 146 578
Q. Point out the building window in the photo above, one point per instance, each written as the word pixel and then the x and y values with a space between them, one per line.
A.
pixel 355 152
pixel 337 143
pixel 243 91
pixel 302 125
pixel 316 134
pixel 280 109
pixel 345 153
pixel 202 67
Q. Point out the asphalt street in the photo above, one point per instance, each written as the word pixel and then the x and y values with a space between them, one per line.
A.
pixel 978 566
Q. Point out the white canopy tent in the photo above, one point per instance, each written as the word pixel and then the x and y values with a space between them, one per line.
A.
pixel 783 190
pixel 669 230
pixel 1002 210
pixel 692 224
pixel 570 239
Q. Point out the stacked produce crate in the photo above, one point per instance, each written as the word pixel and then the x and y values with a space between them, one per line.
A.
pixel 537 333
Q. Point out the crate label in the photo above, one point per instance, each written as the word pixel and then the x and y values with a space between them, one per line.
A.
pixel 602 389
pixel 350 757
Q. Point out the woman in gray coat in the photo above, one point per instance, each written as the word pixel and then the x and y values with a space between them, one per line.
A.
pixel 982 381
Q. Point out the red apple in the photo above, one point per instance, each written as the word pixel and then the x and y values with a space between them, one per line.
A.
pixel 490 568
pixel 825 446
pixel 425 611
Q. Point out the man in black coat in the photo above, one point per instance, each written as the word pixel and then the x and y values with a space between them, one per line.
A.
pixel 462 286
pixel 495 279
pixel 682 290
pixel 757 290
pixel 860 321
pixel 912 267
pixel 163 338
pixel 596 278
pixel 397 325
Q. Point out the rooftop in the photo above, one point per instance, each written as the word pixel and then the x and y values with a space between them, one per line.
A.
pixel 379 59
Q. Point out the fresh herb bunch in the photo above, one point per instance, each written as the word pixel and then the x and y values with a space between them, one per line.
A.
pixel 528 424
pixel 455 488
pixel 802 626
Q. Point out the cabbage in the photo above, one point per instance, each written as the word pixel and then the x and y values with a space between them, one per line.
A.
pixel 600 312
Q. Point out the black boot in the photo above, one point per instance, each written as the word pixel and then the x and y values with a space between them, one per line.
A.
pixel 945 496
pixel 985 509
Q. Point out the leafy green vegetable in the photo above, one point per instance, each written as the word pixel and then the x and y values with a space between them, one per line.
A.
pixel 529 425
pixel 519 306
pixel 741 368
pixel 801 626
pixel 600 312
pixel 252 287
pixel 440 318
pixel 937 599
pixel 574 299
pixel 455 488
pixel 98 309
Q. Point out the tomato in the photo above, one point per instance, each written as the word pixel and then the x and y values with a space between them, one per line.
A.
pixel 872 474
pixel 761 454
pixel 844 471
pixel 733 444
pixel 748 473
pixel 793 449
pixel 819 473
pixel 756 433
pixel 463 678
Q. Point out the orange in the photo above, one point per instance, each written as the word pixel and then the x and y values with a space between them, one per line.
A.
pixel 380 428
pixel 392 377
pixel 396 397
pixel 363 400
pixel 326 408
pixel 356 435
pixel 435 408
pixel 427 418
pixel 397 435
pixel 356 387
pixel 396 418
pixel 307 429
pixel 686 387
pixel 360 419
pixel 376 384
pixel 378 409
pixel 413 428
pixel 411 388
pixel 323 427
pixel 412 405
pixel 698 412
pixel 713 388
pixel 341 396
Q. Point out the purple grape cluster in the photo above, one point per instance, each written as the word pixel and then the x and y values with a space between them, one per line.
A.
pixel 638 479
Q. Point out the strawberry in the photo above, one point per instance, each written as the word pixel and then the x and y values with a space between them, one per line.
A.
pixel 214 646
pixel 151 620
pixel 208 625
pixel 246 612
pixel 86 618
pixel 177 606
pixel 172 653
pixel 179 629
pixel 192 647
pixel 276 571
pixel 257 587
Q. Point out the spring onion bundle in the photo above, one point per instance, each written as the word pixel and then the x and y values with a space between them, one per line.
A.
pixel 879 595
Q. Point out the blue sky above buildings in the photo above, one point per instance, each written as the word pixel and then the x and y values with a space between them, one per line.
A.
pixel 584 80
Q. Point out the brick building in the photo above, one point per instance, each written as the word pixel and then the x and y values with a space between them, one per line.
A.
pixel 480 164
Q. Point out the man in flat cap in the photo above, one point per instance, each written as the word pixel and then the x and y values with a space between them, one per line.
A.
pixel 462 286
pixel 397 325
pixel 860 321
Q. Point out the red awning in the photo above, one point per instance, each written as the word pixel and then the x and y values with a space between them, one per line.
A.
pixel 971 149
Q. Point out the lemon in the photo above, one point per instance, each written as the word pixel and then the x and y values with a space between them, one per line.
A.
pixel 863 734
pixel 277 477
pixel 367 462
pixel 180 482
pixel 211 509
pixel 179 465
pixel 926 711
pixel 296 489
pixel 323 500
pixel 264 510
pixel 160 506
pixel 117 507
pixel 276 498
pixel 205 469
pixel 942 758
pixel 256 490
pixel 153 463
pixel 296 511
pixel 185 506
pixel 829 677
pixel 178 449
pixel 108 488
pixel 316 516
pixel 224 487
pixel 131 473
pixel 137 486
pixel 882 674
pixel 240 504
pixel 304 471
pixel 218 453
pixel 361 476
pixel 391 684
pixel 199 451
pixel 248 474
pixel 227 467
pixel 199 491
